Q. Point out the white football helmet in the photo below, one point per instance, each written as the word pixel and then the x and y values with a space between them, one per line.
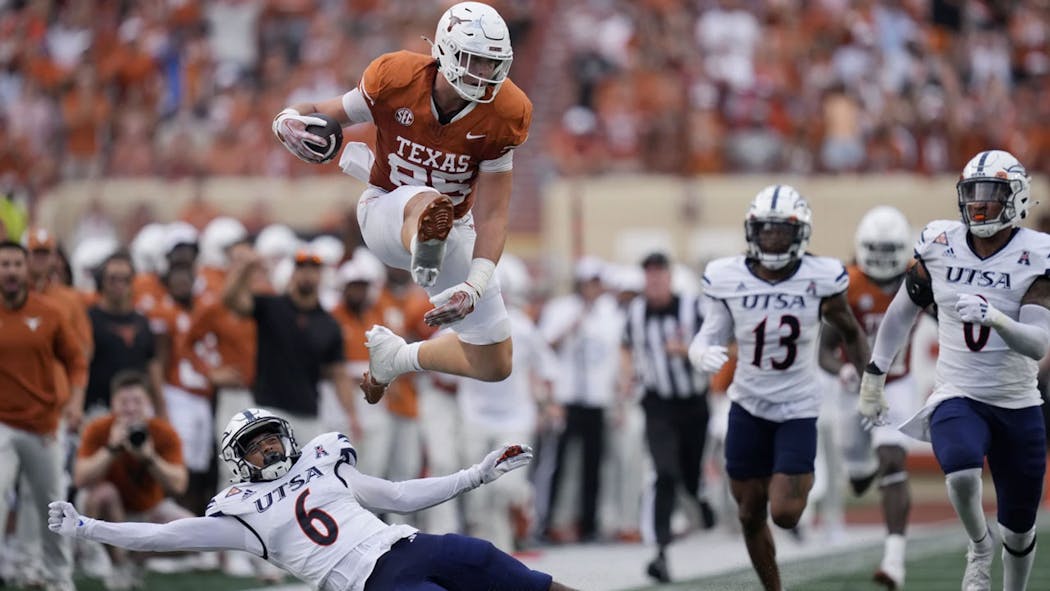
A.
pixel 86 258
pixel 275 242
pixel 472 47
pixel 239 431
pixel 778 206
pixel 147 249
pixel 217 236
pixel 994 175
pixel 883 243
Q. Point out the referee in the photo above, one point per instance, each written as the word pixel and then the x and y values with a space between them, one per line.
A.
pixel 660 325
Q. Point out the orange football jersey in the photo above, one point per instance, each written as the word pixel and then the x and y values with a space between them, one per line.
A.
pixel 414 148
pixel 869 303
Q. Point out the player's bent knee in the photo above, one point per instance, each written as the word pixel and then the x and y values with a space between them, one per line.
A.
pixel 786 519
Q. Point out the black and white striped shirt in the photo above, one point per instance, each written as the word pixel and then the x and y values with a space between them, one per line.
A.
pixel 647 332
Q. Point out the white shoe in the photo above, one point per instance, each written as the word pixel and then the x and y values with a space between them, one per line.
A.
pixel 978 575
pixel 120 578
pixel 383 347
pixel 59 586
pixel 890 574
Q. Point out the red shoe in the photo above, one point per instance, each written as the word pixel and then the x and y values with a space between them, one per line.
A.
pixel 428 245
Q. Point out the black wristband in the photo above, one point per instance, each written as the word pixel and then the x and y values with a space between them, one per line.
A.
pixel 873 369
pixel 113 449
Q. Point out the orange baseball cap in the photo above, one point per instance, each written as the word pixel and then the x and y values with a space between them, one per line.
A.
pixel 306 256
pixel 39 239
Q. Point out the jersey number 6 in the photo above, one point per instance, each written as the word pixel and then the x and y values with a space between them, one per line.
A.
pixel 306 519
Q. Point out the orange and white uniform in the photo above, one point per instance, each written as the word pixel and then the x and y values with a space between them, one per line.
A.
pixel 415 153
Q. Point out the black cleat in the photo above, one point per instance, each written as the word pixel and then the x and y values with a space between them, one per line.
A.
pixel 657 569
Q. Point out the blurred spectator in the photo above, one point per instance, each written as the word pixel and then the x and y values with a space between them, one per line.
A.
pixel 584 328
pixel 128 466
pixel 122 336
pixel 298 344
pixel 35 336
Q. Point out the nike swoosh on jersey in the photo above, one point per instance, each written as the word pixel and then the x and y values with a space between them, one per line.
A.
pixel 471 136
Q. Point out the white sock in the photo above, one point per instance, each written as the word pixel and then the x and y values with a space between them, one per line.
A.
pixel 893 549
pixel 407 359
pixel 964 491
pixel 1017 568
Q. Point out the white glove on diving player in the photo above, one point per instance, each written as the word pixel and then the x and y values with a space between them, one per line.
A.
pixel 63 519
pixel 500 461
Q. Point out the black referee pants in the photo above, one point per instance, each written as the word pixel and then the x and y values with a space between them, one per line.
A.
pixel 586 423
pixel 676 430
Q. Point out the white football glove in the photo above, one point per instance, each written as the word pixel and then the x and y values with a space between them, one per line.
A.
pixel 290 128
pixel 452 305
pixel 500 461
pixel 63 519
pixel 977 310
pixel 708 359
pixel 872 401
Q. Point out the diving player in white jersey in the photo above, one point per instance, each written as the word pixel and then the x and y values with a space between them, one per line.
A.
pixel 988 280
pixel 309 511
pixel 772 301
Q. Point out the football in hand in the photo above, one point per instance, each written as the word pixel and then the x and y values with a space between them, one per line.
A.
pixel 332 134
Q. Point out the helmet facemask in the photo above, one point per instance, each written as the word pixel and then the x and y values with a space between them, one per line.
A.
pixel 275 464
pixel 775 243
pixel 991 191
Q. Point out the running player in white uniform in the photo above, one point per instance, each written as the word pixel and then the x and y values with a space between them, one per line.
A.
pixel 988 281
pixel 309 511
pixel 883 249
pixel 772 301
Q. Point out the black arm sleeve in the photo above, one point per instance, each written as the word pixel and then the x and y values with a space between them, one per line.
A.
pixel 920 288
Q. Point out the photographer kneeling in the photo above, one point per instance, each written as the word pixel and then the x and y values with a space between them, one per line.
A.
pixel 128 465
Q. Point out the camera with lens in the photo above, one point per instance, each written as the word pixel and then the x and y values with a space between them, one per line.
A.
pixel 137 435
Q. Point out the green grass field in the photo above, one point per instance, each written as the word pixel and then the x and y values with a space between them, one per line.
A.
pixel 934 564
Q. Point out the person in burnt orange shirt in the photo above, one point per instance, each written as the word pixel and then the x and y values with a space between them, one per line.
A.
pixel 883 251
pixel 129 463
pixel 439 186
pixel 42 261
pixel 33 335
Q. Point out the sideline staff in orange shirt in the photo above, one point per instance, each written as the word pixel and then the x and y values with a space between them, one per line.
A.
pixel 33 335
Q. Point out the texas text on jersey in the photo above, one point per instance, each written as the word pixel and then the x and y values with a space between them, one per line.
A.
pixel 414 147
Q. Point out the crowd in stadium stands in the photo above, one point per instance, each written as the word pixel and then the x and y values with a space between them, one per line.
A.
pixel 827 86
pixel 189 88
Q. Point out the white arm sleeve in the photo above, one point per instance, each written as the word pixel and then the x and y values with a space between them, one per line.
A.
pixel 1029 335
pixel 194 533
pixel 356 107
pixel 895 329
pixel 501 164
pixel 408 496
pixel 717 328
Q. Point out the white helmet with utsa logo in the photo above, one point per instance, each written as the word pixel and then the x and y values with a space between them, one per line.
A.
pixel 883 243
pixel 241 429
pixel 778 205
pixel 469 32
pixel 994 175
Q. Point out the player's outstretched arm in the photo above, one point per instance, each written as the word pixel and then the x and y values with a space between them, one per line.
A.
pixel 408 496
pixel 191 534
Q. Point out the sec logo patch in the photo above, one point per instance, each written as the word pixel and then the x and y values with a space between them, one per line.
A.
pixel 404 116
